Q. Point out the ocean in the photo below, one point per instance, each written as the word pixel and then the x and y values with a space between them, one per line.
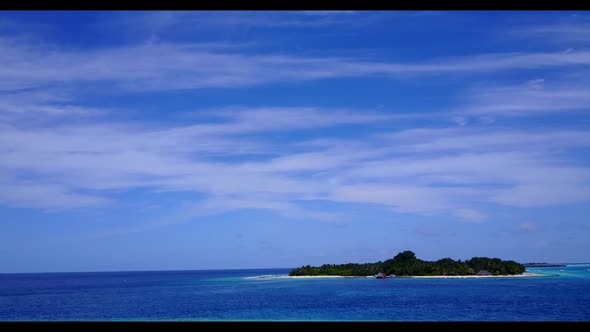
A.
pixel 562 294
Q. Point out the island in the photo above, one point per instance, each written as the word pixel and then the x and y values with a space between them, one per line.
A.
pixel 405 264
pixel 544 265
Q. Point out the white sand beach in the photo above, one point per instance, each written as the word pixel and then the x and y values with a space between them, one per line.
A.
pixel 266 277
pixel 478 276
pixel 296 277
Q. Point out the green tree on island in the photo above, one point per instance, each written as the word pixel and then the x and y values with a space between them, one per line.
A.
pixel 406 264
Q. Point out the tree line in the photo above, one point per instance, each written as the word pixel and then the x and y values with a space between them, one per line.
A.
pixel 406 264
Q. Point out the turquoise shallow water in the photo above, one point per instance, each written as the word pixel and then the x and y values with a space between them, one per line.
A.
pixel 562 294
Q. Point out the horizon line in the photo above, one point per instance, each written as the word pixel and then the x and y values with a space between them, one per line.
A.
pixel 242 269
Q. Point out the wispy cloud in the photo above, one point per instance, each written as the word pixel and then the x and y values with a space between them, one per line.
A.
pixel 424 171
pixel 50 197
pixel 165 21
pixel 233 158
pixel 479 140
pixel 460 120
pixel 114 156
pixel 528 227
pixel 573 32
pixel 42 103
pixel 533 96
pixel 170 66
pixel 470 215
pixel 328 12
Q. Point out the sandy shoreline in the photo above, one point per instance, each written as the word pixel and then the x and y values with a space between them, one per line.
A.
pixel 476 276
pixel 427 277
pixel 295 277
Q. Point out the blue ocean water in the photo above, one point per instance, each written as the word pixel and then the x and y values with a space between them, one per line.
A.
pixel 563 294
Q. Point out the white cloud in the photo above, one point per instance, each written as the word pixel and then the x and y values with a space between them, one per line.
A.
pixel 562 32
pixel 534 96
pixel 110 156
pixel 460 120
pixel 470 215
pixel 327 12
pixel 231 166
pixel 484 139
pixel 185 21
pixel 402 198
pixel 46 196
pixel 170 66
pixel 486 120
pixel 39 103
pixel 248 158
pixel 528 226
pixel 543 193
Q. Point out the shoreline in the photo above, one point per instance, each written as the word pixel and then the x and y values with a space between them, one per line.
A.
pixel 477 276
pixel 298 277
pixel 266 277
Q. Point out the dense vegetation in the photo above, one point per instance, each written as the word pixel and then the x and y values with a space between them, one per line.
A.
pixel 406 264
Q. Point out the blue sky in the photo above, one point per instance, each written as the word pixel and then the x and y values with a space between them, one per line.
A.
pixel 211 140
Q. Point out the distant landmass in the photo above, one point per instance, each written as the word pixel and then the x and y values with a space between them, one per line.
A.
pixel 406 264
pixel 544 264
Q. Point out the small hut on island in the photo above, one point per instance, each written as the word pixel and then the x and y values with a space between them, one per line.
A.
pixel 484 273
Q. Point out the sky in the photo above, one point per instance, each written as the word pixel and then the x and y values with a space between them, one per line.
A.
pixel 156 140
